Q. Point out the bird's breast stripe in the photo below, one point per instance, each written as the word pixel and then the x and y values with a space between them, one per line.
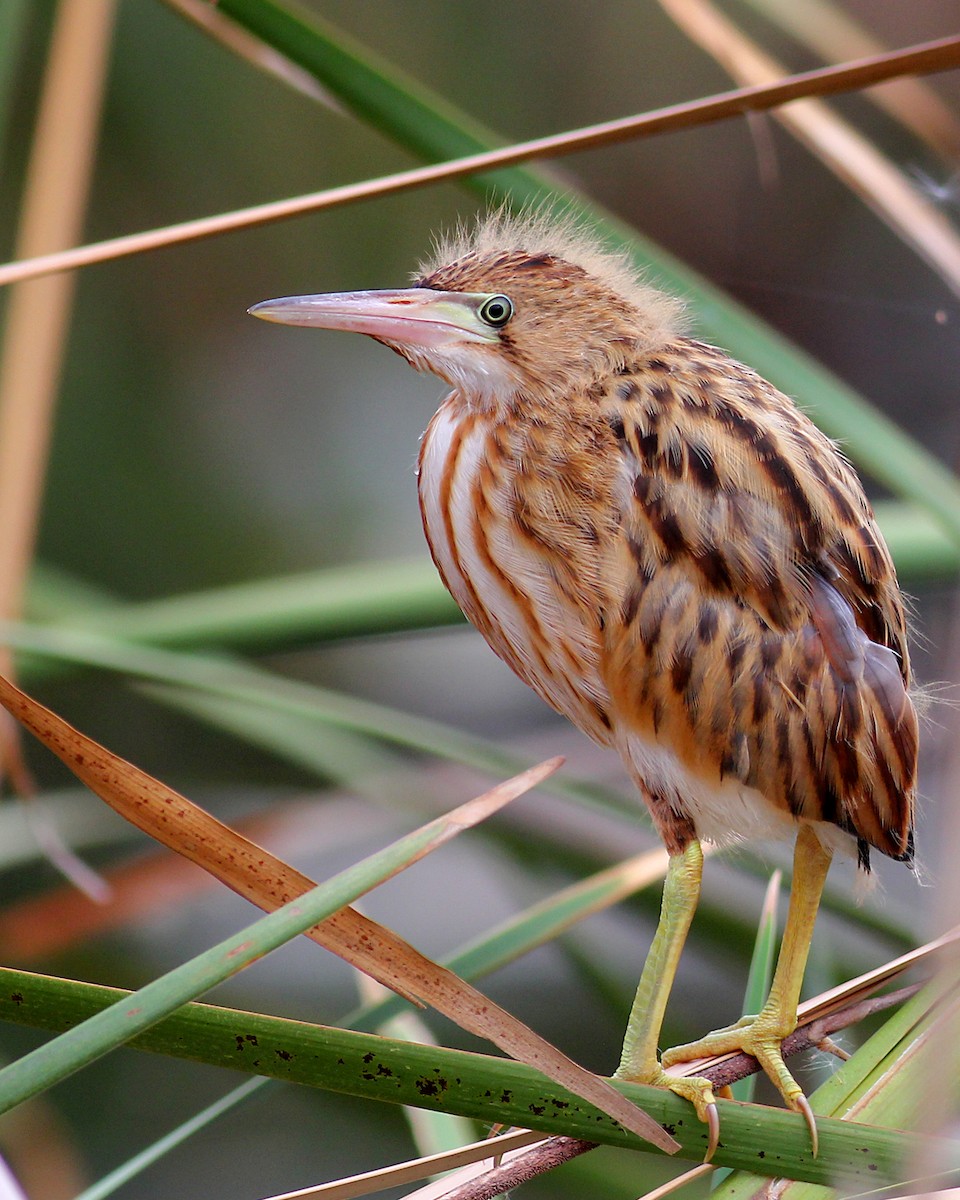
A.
pixel 498 575
pixel 451 484
pixel 454 501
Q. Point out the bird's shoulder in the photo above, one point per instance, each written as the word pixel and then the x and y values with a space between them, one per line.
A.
pixel 724 474
pixel 761 632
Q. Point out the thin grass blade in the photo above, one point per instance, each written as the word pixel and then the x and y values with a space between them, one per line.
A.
pixel 266 880
pixel 532 928
pixel 117 1024
pixel 761 971
pixel 363 600
pixel 243 683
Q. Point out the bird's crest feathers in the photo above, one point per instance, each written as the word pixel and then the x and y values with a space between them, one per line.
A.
pixel 540 231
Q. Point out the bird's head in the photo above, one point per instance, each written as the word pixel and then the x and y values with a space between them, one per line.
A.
pixel 517 307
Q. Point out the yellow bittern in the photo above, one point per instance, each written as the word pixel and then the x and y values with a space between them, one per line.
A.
pixel 673 556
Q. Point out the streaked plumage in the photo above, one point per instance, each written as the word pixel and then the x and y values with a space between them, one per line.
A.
pixel 670 553
pixel 660 544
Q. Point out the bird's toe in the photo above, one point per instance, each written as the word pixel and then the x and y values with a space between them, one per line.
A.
pixel 762 1039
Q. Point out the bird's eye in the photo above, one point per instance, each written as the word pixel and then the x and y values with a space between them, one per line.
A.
pixel 496 311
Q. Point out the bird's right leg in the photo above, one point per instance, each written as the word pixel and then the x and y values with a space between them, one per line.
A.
pixel 639 1062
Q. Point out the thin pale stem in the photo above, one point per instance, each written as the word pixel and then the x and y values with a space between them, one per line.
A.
pixel 941 55
pixel 54 203
pixel 35 335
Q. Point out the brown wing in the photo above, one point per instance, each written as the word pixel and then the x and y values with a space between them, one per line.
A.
pixel 761 632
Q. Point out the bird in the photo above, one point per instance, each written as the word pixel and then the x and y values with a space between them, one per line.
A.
pixel 670 553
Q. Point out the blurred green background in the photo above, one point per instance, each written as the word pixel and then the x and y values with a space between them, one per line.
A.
pixel 195 447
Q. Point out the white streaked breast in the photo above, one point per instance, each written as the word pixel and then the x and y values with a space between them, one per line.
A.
pixel 477 565
pixel 433 460
pixel 475 587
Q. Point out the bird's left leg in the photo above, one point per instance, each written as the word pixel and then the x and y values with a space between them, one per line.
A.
pixel 638 1061
pixel 762 1035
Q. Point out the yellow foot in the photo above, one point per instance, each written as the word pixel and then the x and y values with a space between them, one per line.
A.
pixel 698 1091
pixel 760 1037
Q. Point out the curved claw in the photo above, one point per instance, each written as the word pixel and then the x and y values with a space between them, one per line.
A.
pixel 713 1132
pixel 750 1037
pixel 693 1088
pixel 803 1106
pixel 699 1092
